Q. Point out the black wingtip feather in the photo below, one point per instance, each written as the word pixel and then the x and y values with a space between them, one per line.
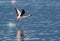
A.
pixel 23 12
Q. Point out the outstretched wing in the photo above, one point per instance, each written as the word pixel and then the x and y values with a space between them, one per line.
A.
pixel 18 12
pixel 27 16
pixel 23 12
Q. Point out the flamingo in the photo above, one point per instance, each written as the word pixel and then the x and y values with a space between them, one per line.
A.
pixel 20 15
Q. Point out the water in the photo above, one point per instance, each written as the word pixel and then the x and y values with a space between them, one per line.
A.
pixel 43 25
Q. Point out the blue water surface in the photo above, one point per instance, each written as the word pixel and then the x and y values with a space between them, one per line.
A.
pixel 43 25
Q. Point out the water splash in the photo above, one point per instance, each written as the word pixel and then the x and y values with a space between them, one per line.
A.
pixel 13 1
pixel 10 24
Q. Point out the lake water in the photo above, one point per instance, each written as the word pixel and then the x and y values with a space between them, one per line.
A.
pixel 43 25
